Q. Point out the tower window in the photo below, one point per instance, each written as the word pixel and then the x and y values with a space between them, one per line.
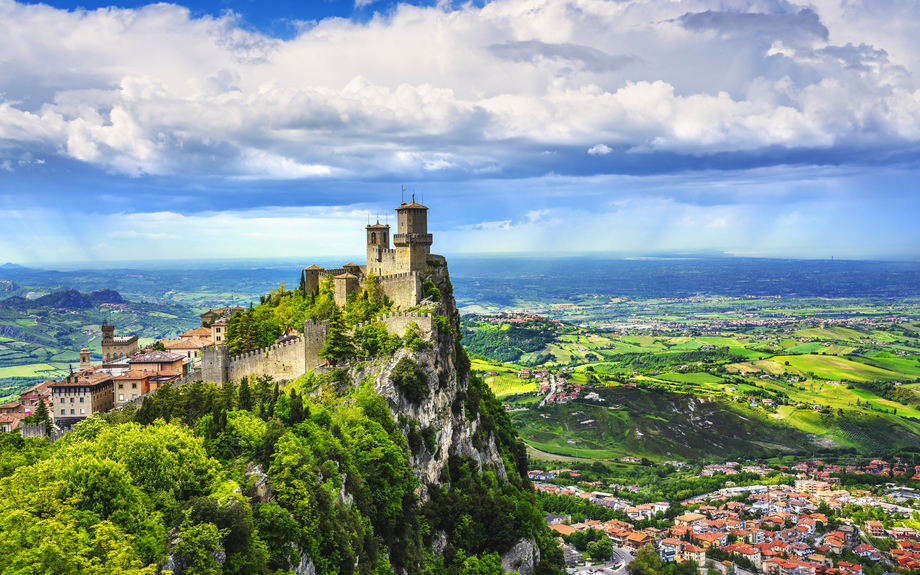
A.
pixel 373 237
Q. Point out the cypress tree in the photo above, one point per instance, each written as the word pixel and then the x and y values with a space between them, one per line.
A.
pixel 296 414
pixel 245 395
pixel 41 414
pixel 338 346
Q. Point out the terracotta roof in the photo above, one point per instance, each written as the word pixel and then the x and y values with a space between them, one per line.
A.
pixel 562 529
pixel 85 379
pixel 187 344
pixel 156 357
pixel 378 225
pixel 197 332
pixel 131 375
pixel 411 206
pixel 351 265
pixel 315 267
pixel 346 276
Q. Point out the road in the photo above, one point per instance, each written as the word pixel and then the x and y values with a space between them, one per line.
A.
pixel 552 389
pixel 620 555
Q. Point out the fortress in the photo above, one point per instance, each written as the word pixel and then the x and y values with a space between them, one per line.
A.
pixel 397 272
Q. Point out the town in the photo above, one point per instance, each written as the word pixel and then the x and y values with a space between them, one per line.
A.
pixel 800 522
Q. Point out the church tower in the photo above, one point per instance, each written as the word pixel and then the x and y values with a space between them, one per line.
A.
pixel 412 240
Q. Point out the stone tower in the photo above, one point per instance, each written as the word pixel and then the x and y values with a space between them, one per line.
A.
pixel 412 240
pixel 108 333
pixel 378 248
pixel 84 359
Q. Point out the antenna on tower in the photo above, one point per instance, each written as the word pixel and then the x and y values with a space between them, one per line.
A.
pixel 403 196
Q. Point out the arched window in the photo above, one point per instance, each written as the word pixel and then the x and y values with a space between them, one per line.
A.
pixel 107 357
pixel 373 237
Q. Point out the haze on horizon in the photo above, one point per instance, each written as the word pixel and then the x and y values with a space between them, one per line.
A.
pixel 232 129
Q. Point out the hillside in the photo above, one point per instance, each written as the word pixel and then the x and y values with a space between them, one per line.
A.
pixel 41 337
pixel 790 383
pixel 403 463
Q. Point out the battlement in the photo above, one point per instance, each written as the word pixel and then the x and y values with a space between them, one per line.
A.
pixel 413 239
pixel 268 350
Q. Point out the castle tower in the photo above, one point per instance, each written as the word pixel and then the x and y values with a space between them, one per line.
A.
pixel 84 359
pixel 378 244
pixel 412 240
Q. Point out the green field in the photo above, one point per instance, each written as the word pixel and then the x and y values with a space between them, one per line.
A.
pixel 31 370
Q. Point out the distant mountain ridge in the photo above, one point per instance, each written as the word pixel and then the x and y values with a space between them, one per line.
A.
pixel 65 299
pixel 11 266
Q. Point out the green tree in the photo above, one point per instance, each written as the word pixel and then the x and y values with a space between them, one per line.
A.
pixel 647 562
pixel 338 346
pixel 197 544
pixel 245 395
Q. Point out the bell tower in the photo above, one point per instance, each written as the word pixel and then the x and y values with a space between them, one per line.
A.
pixel 84 359
pixel 412 240
pixel 378 242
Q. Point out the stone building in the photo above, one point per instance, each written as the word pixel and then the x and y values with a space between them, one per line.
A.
pixel 397 270
pixel 79 396
pixel 115 347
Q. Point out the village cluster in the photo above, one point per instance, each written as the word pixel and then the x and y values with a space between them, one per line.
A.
pixel 770 529
pixel 125 375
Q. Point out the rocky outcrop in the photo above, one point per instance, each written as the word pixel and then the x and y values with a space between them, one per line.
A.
pixel 440 409
pixel 257 480
pixel 522 558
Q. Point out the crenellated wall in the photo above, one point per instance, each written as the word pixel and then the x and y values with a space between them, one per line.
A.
pixel 281 361
pixel 403 289
pixel 396 323
pixel 290 360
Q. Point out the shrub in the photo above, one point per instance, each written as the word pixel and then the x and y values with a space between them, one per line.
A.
pixel 410 380
pixel 413 338
pixel 430 290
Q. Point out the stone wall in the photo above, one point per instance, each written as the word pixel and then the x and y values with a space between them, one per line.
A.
pixel 403 289
pixel 311 278
pixel 281 361
pixel 396 323
pixel 214 362
pixel 294 358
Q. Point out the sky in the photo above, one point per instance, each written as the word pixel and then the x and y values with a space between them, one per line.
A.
pixel 243 129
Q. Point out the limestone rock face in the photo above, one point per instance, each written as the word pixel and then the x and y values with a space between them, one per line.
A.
pixel 440 409
pixel 522 558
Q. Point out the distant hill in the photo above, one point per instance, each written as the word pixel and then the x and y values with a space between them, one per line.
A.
pixel 9 266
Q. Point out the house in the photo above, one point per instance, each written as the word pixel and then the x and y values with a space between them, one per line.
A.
pixel 562 529
pixel 199 333
pixel 524 373
pixel 747 551
pixel 556 519
pixel 669 548
pixel 875 528
pixel 156 361
pixel 131 385
pixel 690 552
pixel 709 539
pixel 689 519
pixel 638 539
pixel 190 348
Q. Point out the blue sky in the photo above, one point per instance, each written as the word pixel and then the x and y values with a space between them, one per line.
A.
pixel 248 129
